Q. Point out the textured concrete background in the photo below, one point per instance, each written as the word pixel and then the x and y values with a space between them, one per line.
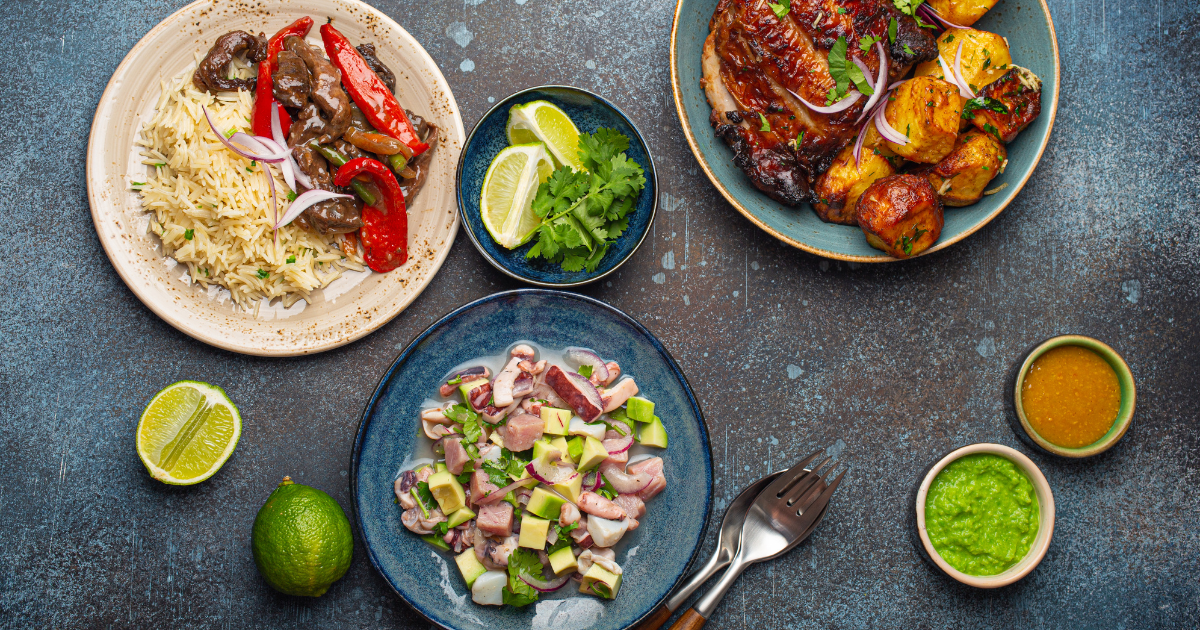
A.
pixel 892 364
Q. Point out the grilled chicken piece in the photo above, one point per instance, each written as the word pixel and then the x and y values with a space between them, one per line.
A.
pixel 752 59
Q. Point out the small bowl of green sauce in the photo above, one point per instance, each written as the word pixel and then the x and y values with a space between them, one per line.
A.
pixel 984 515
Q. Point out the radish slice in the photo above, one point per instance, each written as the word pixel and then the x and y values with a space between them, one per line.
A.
pixel 543 586
pixel 307 199
pixel 583 356
pixel 851 98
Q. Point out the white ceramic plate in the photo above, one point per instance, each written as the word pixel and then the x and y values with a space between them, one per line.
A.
pixel 351 306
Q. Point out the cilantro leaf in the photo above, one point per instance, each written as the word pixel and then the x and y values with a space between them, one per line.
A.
pixel 838 68
pixel 892 25
pixel 766 126
pixel 424 497
pixel 859 79
pixel 982 102
pixel 585 371
pixel 781 9
pixel 522 562
pixel 497 473
pixel 606 490
pixel 866 43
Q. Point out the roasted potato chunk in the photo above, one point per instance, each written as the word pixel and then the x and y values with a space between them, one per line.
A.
pixel 839 188
pixel 1018 93
pixel 901 215
pixel 985 57
pixel 961 177
pixel 928 111
pixel 964 12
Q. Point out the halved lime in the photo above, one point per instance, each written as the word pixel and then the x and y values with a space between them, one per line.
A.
pixel 187 432
pixel 511 183
pixel 543 121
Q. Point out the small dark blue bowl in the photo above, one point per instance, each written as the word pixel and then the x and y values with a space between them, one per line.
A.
pixel 655 557
pixel 589 112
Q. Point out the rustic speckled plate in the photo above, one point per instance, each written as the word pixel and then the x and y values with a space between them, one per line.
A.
pixel 1030 32
pixel 655 556
pixel 350 307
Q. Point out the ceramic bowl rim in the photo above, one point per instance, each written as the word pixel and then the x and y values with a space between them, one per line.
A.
pixel 364 422
pixel 1045 524
pixel 649 169
pixel 1124 417
pixel 685 124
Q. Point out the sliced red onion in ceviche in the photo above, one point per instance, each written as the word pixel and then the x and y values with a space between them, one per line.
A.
pixel 553 509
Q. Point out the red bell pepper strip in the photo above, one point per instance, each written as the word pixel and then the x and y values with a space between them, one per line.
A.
pixel 377 103
pixel 264 97
pixel 384 233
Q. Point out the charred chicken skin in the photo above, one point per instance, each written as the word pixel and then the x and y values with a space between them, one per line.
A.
pixel 755 64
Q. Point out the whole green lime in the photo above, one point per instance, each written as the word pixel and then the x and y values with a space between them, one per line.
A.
pixel 301 539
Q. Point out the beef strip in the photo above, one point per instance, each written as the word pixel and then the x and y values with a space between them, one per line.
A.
pixel 326 90
pixel 333 216
pixel 308 126
pixel 291 80
pixel 351 152
pixel 385 73
pixel 428 132
pixel 211 74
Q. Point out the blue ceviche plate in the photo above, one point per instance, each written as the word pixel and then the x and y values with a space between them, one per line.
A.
pixel 655 557
pixel 589 112
pixel 1030 32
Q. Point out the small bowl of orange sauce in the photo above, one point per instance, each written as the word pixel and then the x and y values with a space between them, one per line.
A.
pixel 1074 396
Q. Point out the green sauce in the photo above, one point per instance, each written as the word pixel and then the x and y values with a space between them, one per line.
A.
pixel 981 514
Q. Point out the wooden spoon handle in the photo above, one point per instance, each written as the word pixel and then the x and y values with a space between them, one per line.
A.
pixel 691 620
pixel 656 619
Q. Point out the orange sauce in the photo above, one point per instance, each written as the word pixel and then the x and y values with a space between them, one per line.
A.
pixel 1071 396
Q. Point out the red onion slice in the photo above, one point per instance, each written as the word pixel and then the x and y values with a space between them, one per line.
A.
pixel 897 84
pixel 932 13
pixel 867 74
pixel 492 497
pixel 242 137
pixel 879 83
pixel 304 201
pixel 851 98
pixel 886 130
pixel 281 145
pixel 592 481
pixel 543 586
pixel 621 444
pixel 583 356
pixel 587 388
pixel 963 87
pixel 858 144
pixel 547 473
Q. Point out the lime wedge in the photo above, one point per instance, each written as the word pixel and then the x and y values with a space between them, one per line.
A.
pixel 511 183
pixel 187 432
pixel 543 121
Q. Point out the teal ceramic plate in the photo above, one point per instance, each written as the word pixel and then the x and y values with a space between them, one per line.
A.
pixel 1030 32
pixel 655 557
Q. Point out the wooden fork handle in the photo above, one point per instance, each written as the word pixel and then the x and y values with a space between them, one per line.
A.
pixel 656 619
pixel 691 620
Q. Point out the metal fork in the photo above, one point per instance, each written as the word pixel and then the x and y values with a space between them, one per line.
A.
pixel 782 516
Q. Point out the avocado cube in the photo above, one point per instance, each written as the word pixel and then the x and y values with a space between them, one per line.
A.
pixel 563 560
pixel 545 504
pixel 556 420
pixel 466 388
pixel 571 489
pixel 618 414
pixel 640 409
pixel 469 566
pixel 653 434
pixel 541 447
pixel 460 516
pixel 593 453
pixel 575 449
pixel 439 467
pixel 560 445
pixel 524 475
pixel 447 491
pixel 600 581
pixel 533 532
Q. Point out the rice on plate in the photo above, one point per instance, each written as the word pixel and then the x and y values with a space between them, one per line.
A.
pixel 212 210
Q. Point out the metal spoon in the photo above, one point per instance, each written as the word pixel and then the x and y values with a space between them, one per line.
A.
pixel 727 547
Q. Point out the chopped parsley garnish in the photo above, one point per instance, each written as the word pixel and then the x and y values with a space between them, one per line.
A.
pixel 291 195
pixel 781 9
pixel 906 243
pixel 262 274
pixel 908 50
pixel 865 43
pixel 986 62
pixel 982 102
pixel 949 37
pixel 798 141
pixel 766 126
pixel 583 213
pixel 189 233
pixel 137 183
pixel 843 10
pixel 990 128
pixel 291 259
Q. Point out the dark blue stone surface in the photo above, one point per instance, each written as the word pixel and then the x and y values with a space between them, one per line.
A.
pixel 890 364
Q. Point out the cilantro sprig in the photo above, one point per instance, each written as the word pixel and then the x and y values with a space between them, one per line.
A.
pixel 583 213
pixel 522 562
pixel 982 102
